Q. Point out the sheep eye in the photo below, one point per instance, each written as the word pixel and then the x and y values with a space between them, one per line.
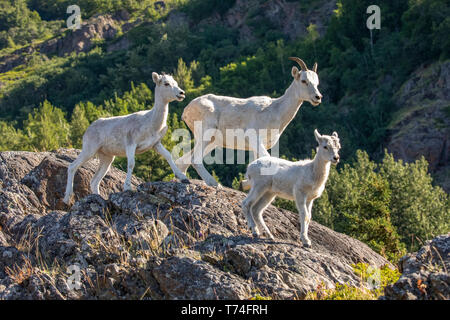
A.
pixel 325 147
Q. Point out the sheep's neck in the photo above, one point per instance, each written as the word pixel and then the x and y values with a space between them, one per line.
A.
pixel 287 106
pixel 321 169
pixel 159 114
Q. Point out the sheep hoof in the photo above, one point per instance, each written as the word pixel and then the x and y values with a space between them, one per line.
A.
pixel 307 245
pixel 212 183
pixel 186 181
pixel 255 234
pixel 66 200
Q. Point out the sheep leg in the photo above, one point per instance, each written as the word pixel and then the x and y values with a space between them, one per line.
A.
pixel 72 169
pixel 308 215
pixel 130 151
pixel 258 208
pixel 201 149
pixel 253 196
pixel 103 167
pixel 166 155
pixel 184 162
pixel 300 201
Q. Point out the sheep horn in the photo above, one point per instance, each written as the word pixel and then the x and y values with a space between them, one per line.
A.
pixel 315 67
pixel 300 62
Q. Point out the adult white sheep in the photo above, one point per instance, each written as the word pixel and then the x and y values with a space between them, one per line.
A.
pixel 128 135
pixel 302 181
pixel 266 116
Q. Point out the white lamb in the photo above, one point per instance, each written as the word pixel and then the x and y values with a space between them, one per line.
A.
pixel 302 181
pixel 128 135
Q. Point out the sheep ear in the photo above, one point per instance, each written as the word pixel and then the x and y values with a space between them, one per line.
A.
pixel 335 134
pixel 295 73
pixel 315 67
pixel 317 135
pixel 156 77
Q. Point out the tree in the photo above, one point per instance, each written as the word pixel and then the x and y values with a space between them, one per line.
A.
pixel 47 128
pixel 12 138
pixel 78 125
pixel 183 75
pixel 419 210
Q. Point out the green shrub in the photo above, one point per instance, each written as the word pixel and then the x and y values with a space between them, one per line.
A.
pixel 12 138
pixel 367 290
pixel 419 210
pixel 47 128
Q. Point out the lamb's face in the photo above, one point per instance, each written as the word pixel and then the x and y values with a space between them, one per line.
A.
pixel 329 147
pixel 168 87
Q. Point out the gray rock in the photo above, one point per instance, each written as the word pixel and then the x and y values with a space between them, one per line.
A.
pixel 421 127
pixel 183 277
pixel 425 273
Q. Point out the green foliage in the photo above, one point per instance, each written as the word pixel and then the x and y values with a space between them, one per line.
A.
pixel 51 9
pixel 236 184
pixel 386 277
pixel 341 292
pixel 419 210
pixel 183 74
pixel 260 297
pixel 19 25
pixel 12 138
pixel 47 128
pixel 137 99
pixel 426 25
pixel 78 125
pixel 360 200
pixel 199 9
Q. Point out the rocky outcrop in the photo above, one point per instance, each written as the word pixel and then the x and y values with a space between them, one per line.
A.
pixel 166 240
pixel 81 40
pixel 287 17
pixel 425 273
pixel 421 127
pixel 97 28
pixel 33 183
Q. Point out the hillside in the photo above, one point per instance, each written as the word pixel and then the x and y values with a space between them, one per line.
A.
pixel 165 240
pixel 421 126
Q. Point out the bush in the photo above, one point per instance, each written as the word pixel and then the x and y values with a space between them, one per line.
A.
pixel 47 128
pixel 419 210
pixel 12 138
pixel 373 282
